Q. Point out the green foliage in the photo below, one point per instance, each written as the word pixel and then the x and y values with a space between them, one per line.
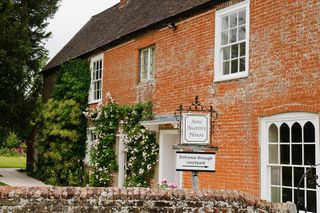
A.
pixel 142 149
pixel 22 55
pixel 141 146
pixel 61 141
pixel 103 156
pixel 6 152
pixel 75 78
pixel 12 141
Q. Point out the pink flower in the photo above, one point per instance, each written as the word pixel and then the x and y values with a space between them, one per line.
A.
pixel 164 181
pixel 172 185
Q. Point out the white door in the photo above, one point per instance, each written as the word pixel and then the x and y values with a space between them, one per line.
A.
pixel 167 164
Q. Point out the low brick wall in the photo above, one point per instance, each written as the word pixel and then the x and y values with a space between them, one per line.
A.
pixel 75 199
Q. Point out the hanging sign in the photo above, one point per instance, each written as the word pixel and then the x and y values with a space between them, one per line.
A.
pixel 195 129
pixel 195 161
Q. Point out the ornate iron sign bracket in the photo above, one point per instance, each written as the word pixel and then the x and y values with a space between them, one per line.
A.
pixel 196 106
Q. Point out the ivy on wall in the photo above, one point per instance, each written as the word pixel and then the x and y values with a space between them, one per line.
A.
pixel 61 138
pixel 140 144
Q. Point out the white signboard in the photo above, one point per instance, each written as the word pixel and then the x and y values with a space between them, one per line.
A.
pixel 196 161
pixel 196 129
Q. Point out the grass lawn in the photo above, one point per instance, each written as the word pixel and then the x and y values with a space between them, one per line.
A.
pixel 12 162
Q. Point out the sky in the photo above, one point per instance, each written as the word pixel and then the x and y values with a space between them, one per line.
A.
pixel 71 16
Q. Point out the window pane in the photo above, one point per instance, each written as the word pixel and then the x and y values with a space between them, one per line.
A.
pixel 226 53
pixel 225 23
pixel 242 33
pixel 296 132
pixel 242 64
pixel 275 176
pixel 233 35
pixel 284 154
pixel 308 132
pixel 309 154
pixel 98 94
pixel 311 201
pixel 226 67
pixel 273 154
pixel 284 133
pixel 275 195
pixel 297 154
pixel 242 49
pixel 94 66
pixel 234 66
pixel 152 63
pixel 286 176
pixel 95 97
pixel 298 173
pixel 144 74
pixel 286 195
pixel 224 38
pixel 233 20
pixel 146 59
pixel 299 197
pixel 234 51
pixel 99 85
pixel 97 74
pixel 242 17
pixel 312 179
pixel 273 133
pixel 94 75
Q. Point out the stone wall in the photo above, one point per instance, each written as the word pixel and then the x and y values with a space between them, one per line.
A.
pixel 68 199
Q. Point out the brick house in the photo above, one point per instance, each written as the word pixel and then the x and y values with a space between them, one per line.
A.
pixel 255 61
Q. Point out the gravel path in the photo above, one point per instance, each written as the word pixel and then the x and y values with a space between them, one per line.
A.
pixel 12 177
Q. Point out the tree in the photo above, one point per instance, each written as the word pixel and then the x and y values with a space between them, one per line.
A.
pixel 22 55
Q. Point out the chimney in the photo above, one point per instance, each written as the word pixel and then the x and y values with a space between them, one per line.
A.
pixel 123 3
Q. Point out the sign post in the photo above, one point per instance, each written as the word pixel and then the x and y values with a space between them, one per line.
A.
pixel 196 127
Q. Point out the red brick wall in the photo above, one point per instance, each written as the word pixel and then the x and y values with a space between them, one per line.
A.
pixel 284 77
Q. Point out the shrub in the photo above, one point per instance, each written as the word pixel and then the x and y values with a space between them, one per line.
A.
pixel 61 141
pixel 12 141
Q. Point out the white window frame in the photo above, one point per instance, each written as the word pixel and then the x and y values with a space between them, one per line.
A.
pixel 91 90
pixel 142 65
pixel 90 130
pixel 218 72
pixel 265 168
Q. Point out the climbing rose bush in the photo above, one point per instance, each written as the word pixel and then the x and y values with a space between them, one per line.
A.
pixel 140 144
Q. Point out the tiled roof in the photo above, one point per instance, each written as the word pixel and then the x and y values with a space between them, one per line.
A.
pixel 116 23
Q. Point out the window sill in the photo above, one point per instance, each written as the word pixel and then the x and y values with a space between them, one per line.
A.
pixel 95 101
pixel 146 81
pixel 221 78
